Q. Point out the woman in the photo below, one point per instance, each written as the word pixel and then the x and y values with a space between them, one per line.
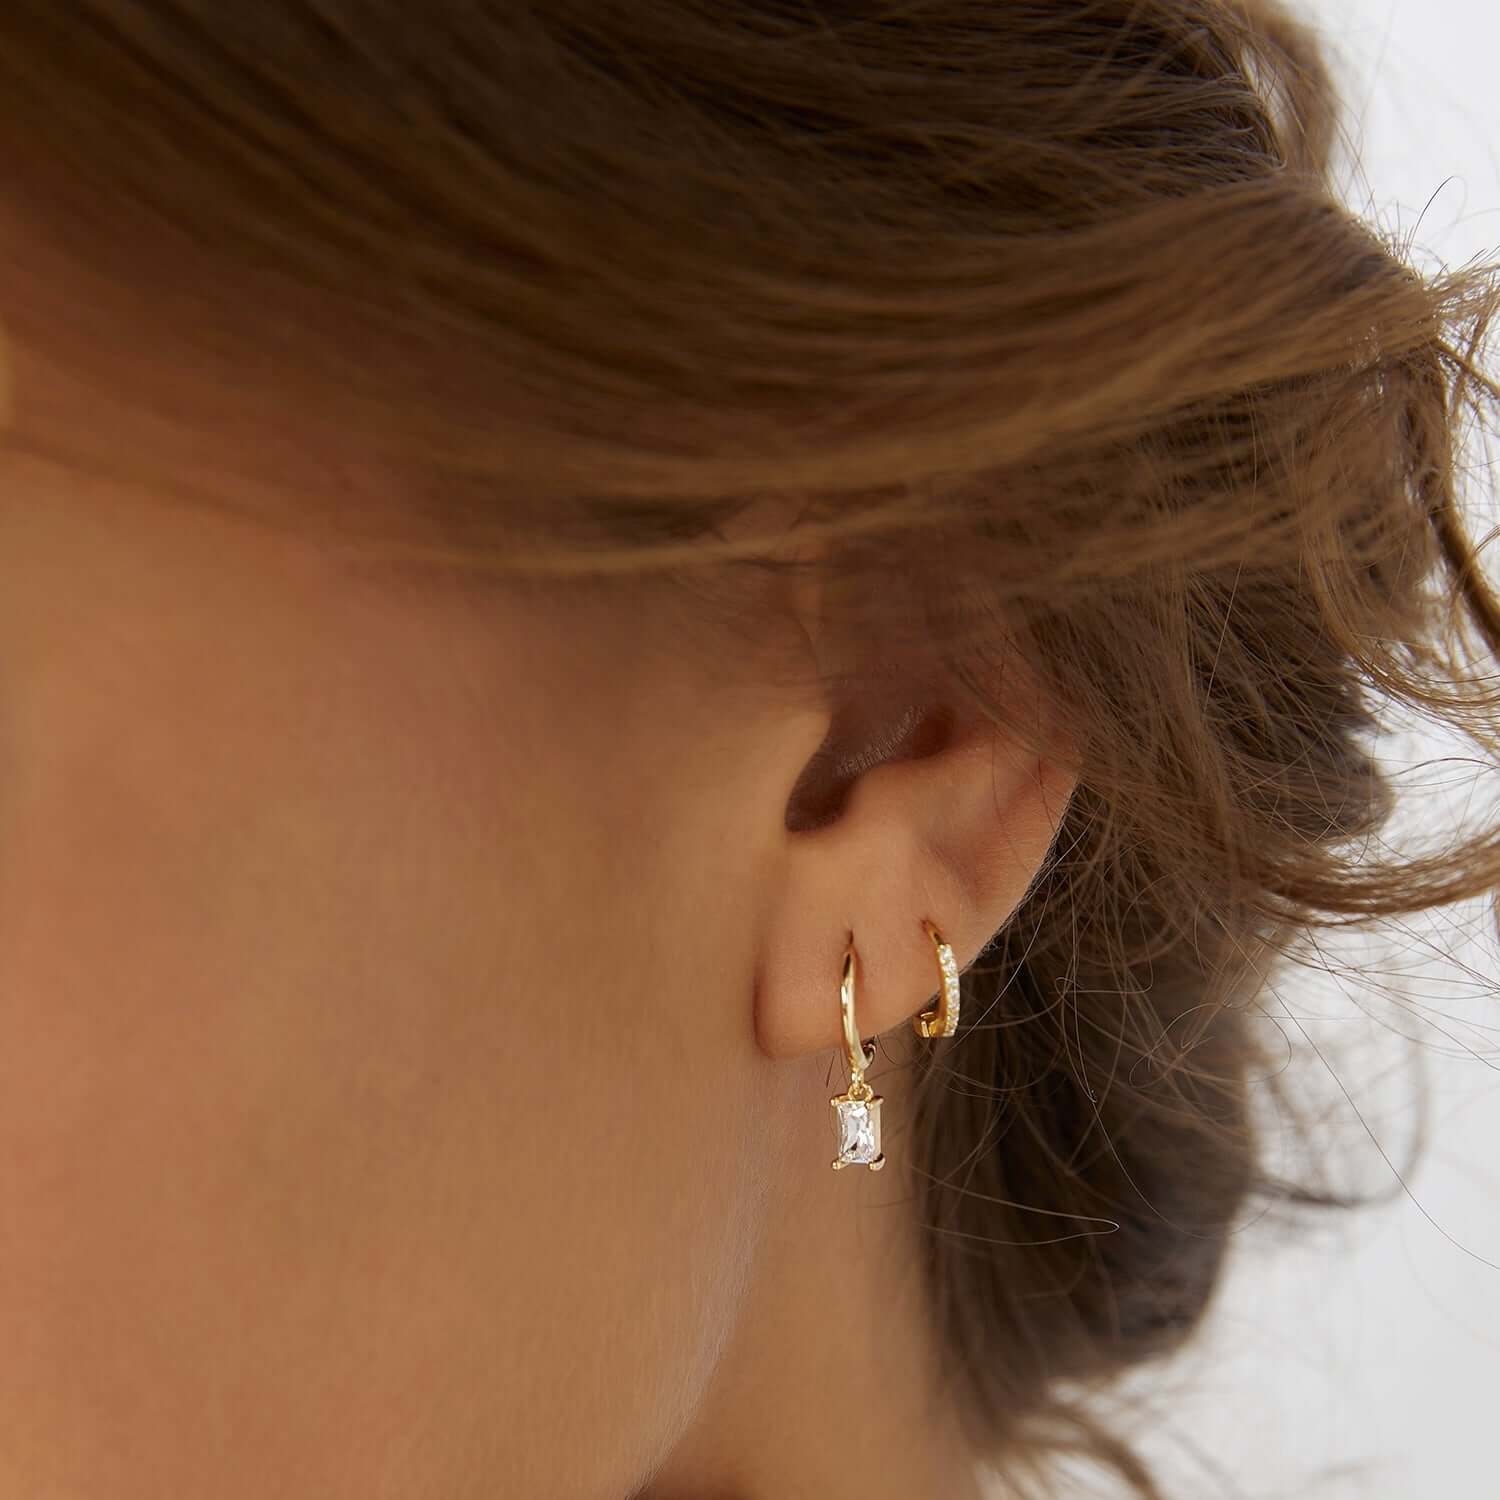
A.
pixel 587 590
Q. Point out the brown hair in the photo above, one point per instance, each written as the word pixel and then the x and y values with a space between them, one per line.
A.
pixel 1049 311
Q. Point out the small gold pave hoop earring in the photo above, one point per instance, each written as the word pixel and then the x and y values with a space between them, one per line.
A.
pixel 944 1020
pixel 856 1113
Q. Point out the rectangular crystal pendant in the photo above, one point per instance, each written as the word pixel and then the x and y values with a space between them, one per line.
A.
pixel 857 1123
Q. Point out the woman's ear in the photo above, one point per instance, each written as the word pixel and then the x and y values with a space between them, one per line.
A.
pixel 911 810
pixel 917 805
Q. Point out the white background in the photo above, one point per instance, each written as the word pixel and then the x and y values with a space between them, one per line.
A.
pixel 1363 1360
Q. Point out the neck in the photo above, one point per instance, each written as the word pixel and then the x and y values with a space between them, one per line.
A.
pixel 828 1385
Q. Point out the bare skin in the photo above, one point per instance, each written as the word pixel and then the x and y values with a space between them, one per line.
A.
pixel 420 1022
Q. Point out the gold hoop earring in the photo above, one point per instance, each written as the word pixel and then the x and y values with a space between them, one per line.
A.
pixel 944 1020
pixel 856 1113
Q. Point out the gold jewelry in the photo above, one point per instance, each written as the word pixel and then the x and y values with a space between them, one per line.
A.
pixel 944 1020
pixel 856 1113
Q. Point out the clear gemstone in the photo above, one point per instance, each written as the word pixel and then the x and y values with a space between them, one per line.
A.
pixel 859 1129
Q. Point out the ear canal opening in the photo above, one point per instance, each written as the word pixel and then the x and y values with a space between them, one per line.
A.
pixel 823 788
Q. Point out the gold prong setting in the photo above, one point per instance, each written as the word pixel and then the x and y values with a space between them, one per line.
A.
pixel 856 1119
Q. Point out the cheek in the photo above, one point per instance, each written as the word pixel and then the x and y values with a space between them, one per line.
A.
pixel 347 1111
